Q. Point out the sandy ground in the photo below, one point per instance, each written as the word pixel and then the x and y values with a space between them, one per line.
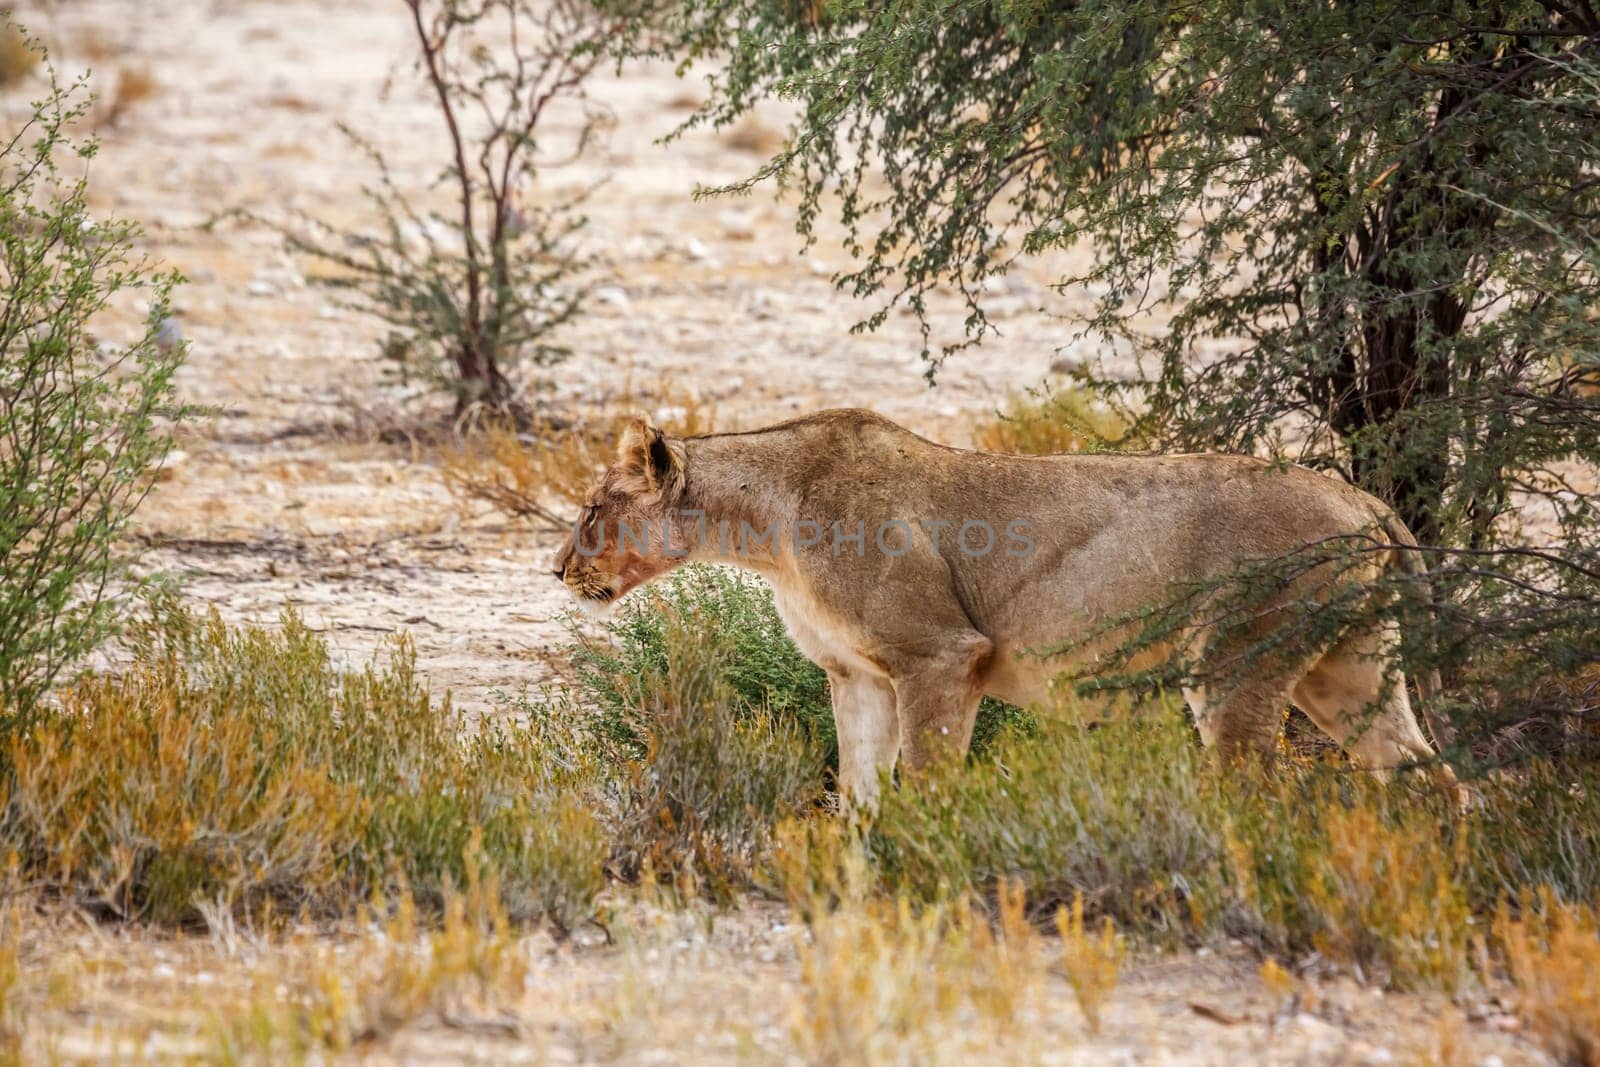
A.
pixel 289 493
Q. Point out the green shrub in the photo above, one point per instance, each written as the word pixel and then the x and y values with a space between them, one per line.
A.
pixel 1391 882
pixel 733 616
pixel 81 426
pixel 239 766
pixel 1368 876
pixel 1124 814
pixel 1537 826
pixel 715 775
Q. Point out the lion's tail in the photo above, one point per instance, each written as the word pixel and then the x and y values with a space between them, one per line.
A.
pixel 1429 684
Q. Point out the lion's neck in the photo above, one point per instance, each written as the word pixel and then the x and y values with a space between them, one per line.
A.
pixel 733 486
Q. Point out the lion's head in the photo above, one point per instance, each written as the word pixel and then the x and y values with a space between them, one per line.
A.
pixel 627 533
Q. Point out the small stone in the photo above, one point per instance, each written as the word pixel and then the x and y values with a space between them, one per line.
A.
pixel 696 249
pixel 612 296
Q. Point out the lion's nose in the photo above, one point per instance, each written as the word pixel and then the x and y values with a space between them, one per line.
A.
pixel 559 572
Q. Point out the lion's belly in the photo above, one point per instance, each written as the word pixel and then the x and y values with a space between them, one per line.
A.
pixel 1021 677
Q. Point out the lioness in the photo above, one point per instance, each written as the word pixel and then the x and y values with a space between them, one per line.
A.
pixel 920 576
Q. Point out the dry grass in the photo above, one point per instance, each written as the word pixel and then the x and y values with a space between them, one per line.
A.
pixel 535 473
pixel 1552 954
pixel 528 475
pixel 11 1019
pixel 1448 1046
pixel 1091 961
pixel 240 768
pixel 1389 901
pixel 95 44
pixel 135 85
pixel 885 982
pixel 1052 422
pixel 316 998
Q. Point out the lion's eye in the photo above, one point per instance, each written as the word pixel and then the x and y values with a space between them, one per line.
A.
pixel 589 513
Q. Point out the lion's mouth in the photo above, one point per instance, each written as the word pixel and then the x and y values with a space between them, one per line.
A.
pixel 592 590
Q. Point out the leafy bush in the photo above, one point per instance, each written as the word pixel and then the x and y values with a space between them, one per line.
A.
pixel 733 616
pixel 234 766
pixel 81 426
pixel 471 293
pixel 699 802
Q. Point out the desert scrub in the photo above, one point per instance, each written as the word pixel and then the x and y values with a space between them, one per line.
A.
pixel 1091 960
pixel 84 425
pixel 1552 956
pixel 703 777
pixel 1536 826
pixel 470 293
pixel 1123 815
pixel 885 981
pixel 733 616
pixel 535 470
pixel 310 997
pixel 238 766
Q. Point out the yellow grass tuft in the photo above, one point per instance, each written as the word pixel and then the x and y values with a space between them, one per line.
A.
pixel 1092 961
pixel 1050 422
pixel 884 982
pixel 1388 898
pixel 541 472
pixel 325 997
pixel 135 85
pixel 1280 983
pixel 528 475
pixel 1552 955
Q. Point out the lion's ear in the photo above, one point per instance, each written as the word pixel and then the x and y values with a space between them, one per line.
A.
pixel 645 453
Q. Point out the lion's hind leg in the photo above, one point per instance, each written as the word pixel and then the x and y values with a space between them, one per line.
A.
pixel 1240 723
pixel 1357 696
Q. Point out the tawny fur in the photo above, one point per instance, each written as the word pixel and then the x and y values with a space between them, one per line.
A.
pixel 911 642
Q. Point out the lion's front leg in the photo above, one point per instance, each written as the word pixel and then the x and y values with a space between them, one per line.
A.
pixel 868 731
